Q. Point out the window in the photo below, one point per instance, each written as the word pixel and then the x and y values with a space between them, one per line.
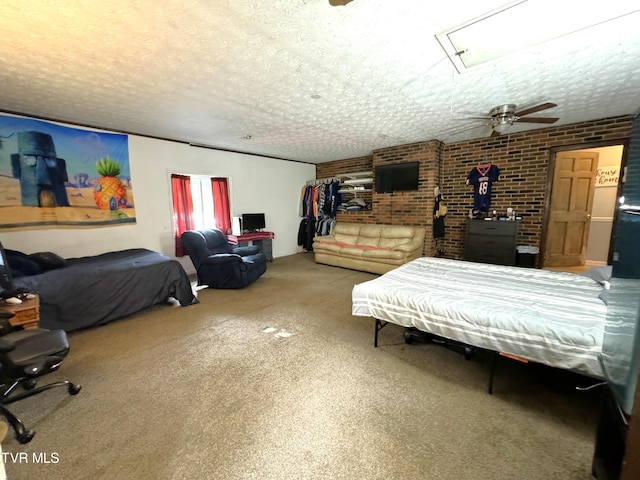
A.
pixel 199 202
pixel 202 198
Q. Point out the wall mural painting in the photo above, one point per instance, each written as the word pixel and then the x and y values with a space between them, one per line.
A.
pixel 53 176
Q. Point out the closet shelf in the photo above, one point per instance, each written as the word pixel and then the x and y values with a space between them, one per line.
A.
pixel 354 190
pixel 357 174
pixel 356 182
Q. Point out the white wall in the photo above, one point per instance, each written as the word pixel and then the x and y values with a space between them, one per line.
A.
pixel 257 184
pixel 604 204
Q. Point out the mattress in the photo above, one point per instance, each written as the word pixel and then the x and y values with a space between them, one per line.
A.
pixel 91 291
pixel 553 318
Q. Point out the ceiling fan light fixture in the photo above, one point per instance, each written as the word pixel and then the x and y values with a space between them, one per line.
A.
pixel 502 125
pixel 503 117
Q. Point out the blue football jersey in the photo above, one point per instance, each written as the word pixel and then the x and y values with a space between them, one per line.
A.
pixel 481 178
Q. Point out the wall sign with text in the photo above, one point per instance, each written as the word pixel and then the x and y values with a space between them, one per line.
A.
pixel 607 176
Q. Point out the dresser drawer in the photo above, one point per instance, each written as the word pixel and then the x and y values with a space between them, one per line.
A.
pixel 496 257
pixel 489 242
pixel 493 227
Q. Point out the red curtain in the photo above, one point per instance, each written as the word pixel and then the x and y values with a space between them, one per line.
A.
pixel 221 212
pixel 182 208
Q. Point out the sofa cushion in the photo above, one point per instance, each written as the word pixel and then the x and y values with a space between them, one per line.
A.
pixel 369 235
pixel 383 254
pixel 352 229
pixel 333 247
pixel 396 235
pixel 351 252
pixel 368 241
pixel 346 238
pixel 394 242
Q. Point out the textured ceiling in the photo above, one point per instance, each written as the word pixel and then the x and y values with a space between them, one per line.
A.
pixel 211 72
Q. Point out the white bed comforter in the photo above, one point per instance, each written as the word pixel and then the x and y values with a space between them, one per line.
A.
pixel 552 318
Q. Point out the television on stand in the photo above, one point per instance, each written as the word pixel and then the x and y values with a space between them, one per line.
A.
pixel 253 222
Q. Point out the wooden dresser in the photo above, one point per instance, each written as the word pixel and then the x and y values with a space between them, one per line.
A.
pixel 491 241
pixel 27 314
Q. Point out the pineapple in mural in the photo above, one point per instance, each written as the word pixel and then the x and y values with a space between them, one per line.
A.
pixel 109 193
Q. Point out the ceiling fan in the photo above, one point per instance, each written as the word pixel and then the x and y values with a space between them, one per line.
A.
pixel 502 117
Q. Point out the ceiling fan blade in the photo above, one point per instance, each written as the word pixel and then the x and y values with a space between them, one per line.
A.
pixel 538 120
pixel 495 133
pixel 537 108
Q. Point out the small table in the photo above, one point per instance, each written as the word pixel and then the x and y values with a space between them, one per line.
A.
pixel 261 239
pixel 27 313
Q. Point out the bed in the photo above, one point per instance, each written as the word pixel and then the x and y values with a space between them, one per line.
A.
pixel 89 291
pixel 553 318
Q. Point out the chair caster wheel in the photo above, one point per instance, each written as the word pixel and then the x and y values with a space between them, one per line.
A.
pixel 29 384
pixel 74 388
pixel 26 436
pixel 408 337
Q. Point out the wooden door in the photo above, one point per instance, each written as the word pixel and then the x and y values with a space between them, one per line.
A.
pixel 570 213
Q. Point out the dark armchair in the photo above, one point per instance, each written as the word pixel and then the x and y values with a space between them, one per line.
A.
pixel 26 355
pixel 220 264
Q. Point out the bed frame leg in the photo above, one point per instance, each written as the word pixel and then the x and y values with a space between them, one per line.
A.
pixel 379 326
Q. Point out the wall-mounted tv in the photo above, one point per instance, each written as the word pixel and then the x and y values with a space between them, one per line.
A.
pixel 397 177
pixel 252 222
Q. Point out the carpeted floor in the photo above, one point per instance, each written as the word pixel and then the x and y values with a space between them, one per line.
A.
pixel 279 381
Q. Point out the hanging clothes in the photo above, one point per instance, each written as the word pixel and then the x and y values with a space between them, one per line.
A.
pixel 319 201
pixel 439 212
pixel 481 179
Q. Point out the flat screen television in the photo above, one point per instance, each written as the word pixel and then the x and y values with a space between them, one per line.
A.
pixel 396 177
pixel 252 222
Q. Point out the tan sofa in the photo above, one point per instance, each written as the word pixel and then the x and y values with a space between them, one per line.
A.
pixel 370 248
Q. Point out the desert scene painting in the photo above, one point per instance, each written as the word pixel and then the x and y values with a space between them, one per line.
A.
pixel 52 176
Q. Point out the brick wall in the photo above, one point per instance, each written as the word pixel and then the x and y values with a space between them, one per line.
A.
pixel 523 159
pixel 413 208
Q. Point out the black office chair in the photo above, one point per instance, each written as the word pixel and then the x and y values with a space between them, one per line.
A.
pixel 24 356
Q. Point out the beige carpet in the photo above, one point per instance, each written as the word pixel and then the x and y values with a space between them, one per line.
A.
pixel 279 381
